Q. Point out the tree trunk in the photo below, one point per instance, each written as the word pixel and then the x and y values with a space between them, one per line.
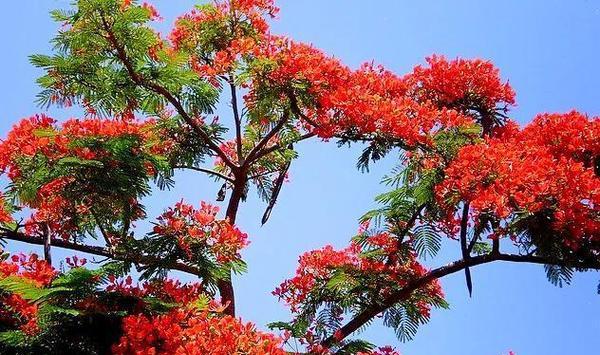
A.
pixel 225 286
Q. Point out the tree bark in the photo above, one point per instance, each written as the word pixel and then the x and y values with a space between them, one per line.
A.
pixel 226 286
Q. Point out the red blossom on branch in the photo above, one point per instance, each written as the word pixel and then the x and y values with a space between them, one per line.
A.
pixel 199 228
pixel 539 169
pixel 14 309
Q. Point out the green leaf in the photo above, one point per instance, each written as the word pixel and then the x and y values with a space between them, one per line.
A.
pixel 77 277
pixel 404 320
pixel 481 248
pixel 45 132
pixel 202 302
pixel 238 267
pixel 426 241
pixel 48 310
pixel 355 346
pixel 29 290
pixel 297 328
pixel 159 305
pixel 559 275
pixel 340 281
pixel 14 338
pixel 80 162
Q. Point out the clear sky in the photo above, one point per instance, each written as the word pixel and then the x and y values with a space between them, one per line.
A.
pixel 547 48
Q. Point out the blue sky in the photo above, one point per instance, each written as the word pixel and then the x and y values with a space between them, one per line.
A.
pixel 547 49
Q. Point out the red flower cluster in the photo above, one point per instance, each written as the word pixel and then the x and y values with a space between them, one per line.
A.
pixel 39 144
pixel 174 290
pixel 200 231
pixel 254 7
pixel 75 262
pixel 40 134
pixel 457 83
pixel 367 101
pixel 30 267
pixel 19 313
pixel 126 4
pixel 317 267
pixel 386 350
pixel 549 166
pixel 374 101
pixel 5 216
pixel 229 148
pixel 321 350
pixel 24 140
pixel 153 13
pixel 239 24
pixel 14 310
pixel 166 290
pixel 192 332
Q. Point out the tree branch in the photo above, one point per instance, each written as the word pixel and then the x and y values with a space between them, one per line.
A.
pixel 226 286
pixel 102 230
pixel 47 244
pixel 363 317
pixel 237 118
pixel 277 147
pixel 254 152
pixel 473 241
pixel 466 255
pixel 297 111
pixel 204 170
pixel 139 80
pixel 276 190
pixel 95 250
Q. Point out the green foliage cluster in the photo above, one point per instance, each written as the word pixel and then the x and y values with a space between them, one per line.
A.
pixel 66 327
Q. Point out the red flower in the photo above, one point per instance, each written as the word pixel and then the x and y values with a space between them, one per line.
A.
pixel 187 332
pixel 14 309
pixel 154 15
pixel 317 267
pixel 546 167
pixel 200 229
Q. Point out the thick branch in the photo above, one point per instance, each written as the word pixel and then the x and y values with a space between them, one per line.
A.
pixel 95 250
pixel 225 286
pixel 410 223
pixel 362 318
pixel 297 111
pixel 47 244
pixel 102 230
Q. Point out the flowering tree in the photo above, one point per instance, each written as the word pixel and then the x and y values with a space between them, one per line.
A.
pixel 468 173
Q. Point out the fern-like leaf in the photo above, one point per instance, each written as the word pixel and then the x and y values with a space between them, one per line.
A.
pixel 427 241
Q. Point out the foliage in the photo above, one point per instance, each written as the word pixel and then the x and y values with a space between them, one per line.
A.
pixel 466 172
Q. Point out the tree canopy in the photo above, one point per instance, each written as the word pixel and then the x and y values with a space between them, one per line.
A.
pixel 467 172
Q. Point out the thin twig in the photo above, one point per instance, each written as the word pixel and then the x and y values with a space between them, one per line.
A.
pixel 257 148
pixel 205 170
